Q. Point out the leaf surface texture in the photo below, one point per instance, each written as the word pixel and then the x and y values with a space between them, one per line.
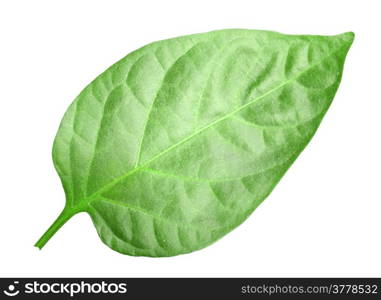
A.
pixel 177 143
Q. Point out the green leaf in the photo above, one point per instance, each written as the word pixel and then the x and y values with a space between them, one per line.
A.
pixel 177 143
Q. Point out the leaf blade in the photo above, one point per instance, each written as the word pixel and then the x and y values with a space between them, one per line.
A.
pixel 195 160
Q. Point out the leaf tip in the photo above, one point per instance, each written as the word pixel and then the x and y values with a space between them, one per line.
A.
pixel 350 36
pixel 347 37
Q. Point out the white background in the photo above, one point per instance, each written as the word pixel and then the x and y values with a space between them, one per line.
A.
pixel 324 217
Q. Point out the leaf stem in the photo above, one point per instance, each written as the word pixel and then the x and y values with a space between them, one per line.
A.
pixel 64 216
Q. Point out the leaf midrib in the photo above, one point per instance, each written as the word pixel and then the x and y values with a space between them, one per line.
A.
pixel 93 196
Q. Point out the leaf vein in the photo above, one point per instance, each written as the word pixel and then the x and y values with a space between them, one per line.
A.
pixel 138 156
pixel 139 168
